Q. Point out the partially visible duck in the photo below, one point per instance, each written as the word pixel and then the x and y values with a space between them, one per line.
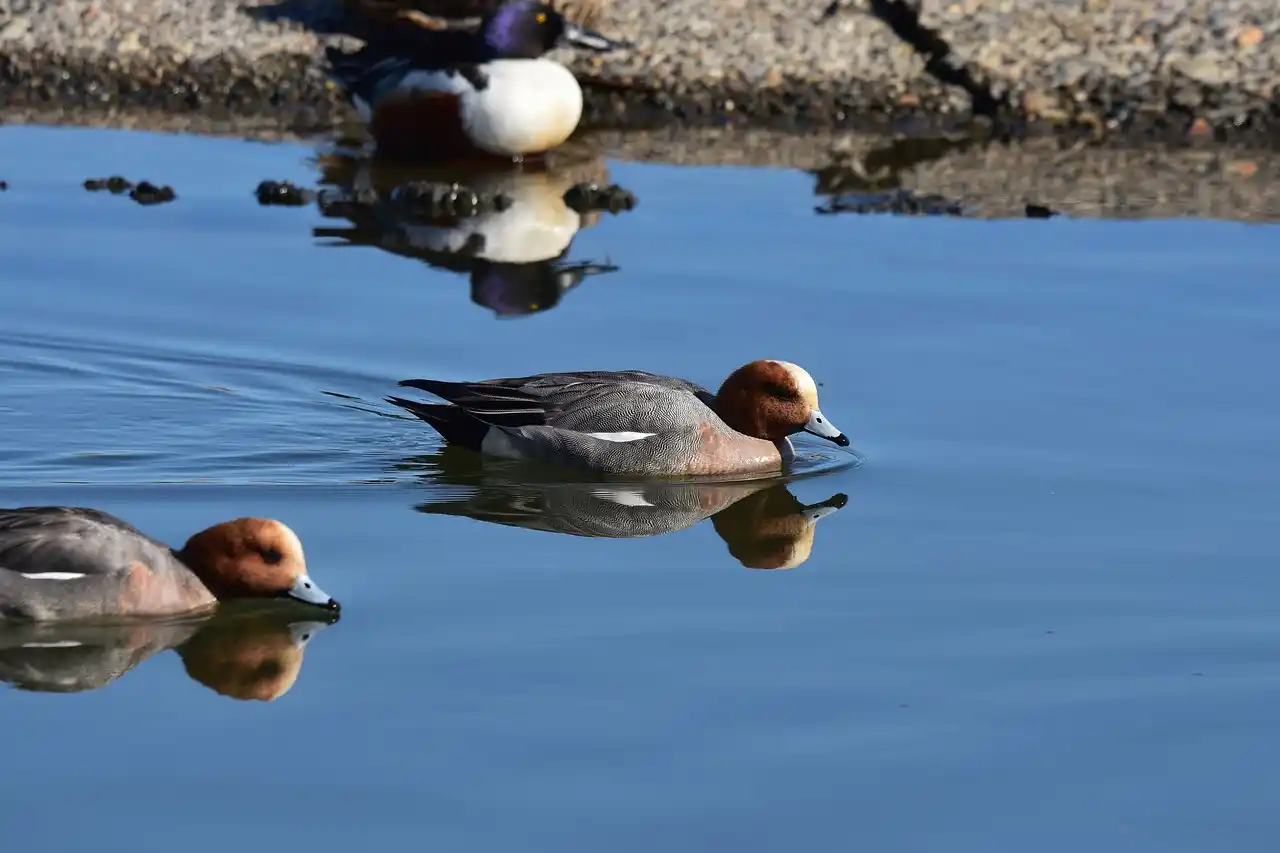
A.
pixel 440 14
pixel 71 562
pixel 457 93
pixel 632 423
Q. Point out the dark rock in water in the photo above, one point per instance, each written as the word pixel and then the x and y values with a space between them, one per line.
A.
pixel 115 185
pixel 900 202
pixel 345 204
pixel 1039 211
pixel 588 197
pixel 283 194
pixel 429 200
pixel 148 193
pixel 4 185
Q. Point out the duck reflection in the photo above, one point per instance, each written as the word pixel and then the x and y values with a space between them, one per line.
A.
pixel 763 524
pixel 508 231
pixel 242 653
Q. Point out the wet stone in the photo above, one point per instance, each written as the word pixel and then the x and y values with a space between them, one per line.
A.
pixel 1040 211
pixel 428 200
pixel 147 193
pixel 590 197
pixel 114 185
pixel 283 194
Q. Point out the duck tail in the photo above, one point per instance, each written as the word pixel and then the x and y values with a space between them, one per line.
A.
pixel 455 425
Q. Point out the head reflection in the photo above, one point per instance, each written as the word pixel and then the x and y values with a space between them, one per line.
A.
pixel 249 652
pixel 761 522
pixel 509 231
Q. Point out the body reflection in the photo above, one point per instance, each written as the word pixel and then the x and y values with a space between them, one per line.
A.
pixel 251 652
pixel 508 231
pixel 761 521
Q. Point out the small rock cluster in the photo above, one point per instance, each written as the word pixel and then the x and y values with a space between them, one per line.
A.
pixel 144 192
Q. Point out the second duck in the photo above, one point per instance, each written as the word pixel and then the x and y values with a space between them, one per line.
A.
pixel 458 93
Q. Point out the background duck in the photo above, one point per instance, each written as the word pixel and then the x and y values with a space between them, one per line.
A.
pixel 459 93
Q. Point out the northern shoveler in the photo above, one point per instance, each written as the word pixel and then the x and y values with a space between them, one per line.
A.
pixel 455 93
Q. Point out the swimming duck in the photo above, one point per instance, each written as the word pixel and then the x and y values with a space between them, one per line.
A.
pixel 72 562
pixel 455 93
pixel 633 423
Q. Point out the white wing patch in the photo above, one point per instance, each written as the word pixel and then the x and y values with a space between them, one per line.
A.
pixel 621 436
pixel 53 576
pixel 56 644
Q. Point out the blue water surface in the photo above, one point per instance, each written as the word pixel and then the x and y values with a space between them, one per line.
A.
pixel 1046 618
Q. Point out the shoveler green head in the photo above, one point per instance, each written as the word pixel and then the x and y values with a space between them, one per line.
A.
pixel 526 29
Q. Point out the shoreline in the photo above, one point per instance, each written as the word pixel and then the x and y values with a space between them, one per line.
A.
pixel 993 179
pixel 1208 72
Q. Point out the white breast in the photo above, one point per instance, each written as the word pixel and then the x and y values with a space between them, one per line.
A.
pixel 529 106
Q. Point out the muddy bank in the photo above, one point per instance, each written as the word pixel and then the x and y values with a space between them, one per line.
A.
pixel 1127 68
pixel 991 179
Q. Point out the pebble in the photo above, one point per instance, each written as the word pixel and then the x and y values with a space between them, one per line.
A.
pixel 1129 67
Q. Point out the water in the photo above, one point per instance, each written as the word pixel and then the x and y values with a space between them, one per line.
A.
pixel 1040 613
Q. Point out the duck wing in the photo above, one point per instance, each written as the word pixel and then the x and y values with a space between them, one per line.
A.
pixel 70 541
pixel 587 401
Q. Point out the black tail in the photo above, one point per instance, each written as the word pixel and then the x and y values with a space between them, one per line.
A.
pixel 454 424
pixel 490 402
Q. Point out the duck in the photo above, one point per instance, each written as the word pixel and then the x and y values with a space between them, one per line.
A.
pixel 463 95
pixel 61 562
pixel 632 423
pixel 444 14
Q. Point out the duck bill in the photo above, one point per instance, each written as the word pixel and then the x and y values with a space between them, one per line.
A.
pixel 819 425
pixel 306 590
pixel 580 36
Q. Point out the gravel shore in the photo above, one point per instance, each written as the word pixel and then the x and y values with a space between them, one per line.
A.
pixel 1126 69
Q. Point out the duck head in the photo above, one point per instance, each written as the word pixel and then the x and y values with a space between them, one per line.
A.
pixel 253 558
pixel 525 29
pixel 772 400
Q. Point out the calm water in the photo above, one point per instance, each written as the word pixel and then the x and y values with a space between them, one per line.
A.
pixel 1042 613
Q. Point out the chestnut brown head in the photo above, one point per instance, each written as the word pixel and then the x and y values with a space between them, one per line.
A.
pixel 252 558
pixel 772 400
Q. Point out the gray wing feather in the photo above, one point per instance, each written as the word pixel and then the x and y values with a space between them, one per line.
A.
pixel 588 401
pixel 68 539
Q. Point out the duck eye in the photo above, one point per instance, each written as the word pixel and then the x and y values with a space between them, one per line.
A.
pixel 272 555
pixel 541 17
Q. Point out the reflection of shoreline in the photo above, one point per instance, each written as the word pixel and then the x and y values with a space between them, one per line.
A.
pixel 514 252
pixel 248 651
pixel 761 522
